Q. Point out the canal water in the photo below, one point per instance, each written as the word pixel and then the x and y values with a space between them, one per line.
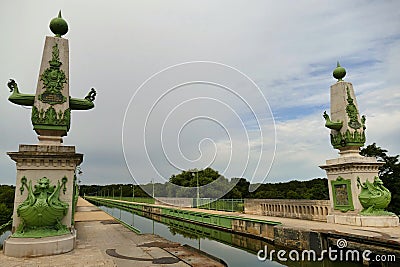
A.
pixel 234 249
pixel 3 236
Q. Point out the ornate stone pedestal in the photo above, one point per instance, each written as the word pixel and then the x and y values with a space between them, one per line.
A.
pixel 343 174
pixel 53 162
pixel 58 164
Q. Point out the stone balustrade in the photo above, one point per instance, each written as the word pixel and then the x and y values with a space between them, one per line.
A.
pixel 315 210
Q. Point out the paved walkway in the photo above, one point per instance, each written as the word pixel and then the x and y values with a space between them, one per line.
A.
pixel 101 241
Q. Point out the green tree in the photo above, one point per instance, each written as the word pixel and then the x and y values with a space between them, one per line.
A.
pixel 189 178
pixel 5 213
pixel 242 185
pixel 292 195
pixel 389 173
pixel 7 194
pixel 234 194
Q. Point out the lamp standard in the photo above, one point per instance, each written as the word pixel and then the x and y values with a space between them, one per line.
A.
pixel 152 181
pixel 79 172
pixel 133 192
pixel 198 188
pixel 196 172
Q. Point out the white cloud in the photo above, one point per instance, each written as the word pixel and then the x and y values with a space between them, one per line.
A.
pixel 289 52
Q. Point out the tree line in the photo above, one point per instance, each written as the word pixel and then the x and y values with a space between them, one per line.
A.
pixel 7 193
pixel 313 189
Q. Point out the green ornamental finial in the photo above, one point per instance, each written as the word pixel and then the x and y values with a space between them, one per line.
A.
pixel 59 26
pixel 339 72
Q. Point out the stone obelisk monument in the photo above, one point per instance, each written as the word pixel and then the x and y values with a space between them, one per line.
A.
pixel 46 195
pixel 357 195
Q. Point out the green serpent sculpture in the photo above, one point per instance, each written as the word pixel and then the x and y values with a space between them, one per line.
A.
pixel 28 99
pixel 42 211
pixel 374 197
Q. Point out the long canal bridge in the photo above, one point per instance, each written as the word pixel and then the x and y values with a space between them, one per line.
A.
pixel 105 238
pixel 53 226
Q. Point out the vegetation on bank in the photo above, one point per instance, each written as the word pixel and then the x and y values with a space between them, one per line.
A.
pixel 6 203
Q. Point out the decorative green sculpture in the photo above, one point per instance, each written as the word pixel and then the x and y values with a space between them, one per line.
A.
pixel 352 112
pixel 28 99
pixel 47 117
pixel 342 196
pixel 335 125
pixel 52 105
pixel 341 140
pixel 53 79
pixel 42 211
pixel 58 25
pixel 374 197
pixel 339 72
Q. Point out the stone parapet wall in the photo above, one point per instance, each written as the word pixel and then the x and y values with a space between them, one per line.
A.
pixel 315 210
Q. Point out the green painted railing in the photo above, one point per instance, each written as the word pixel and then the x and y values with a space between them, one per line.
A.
pixel 148 200
pixel 220 204
pixel 201 217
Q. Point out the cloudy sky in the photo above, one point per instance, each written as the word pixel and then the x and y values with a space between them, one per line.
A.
pixel 163 105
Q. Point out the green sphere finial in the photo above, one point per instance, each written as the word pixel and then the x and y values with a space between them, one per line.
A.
pixel 339 72
pixel 58 25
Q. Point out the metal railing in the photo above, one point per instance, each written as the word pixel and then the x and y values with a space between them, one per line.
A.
pixel 147 200
pixel 231 205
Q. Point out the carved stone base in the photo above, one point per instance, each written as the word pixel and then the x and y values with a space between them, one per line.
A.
pixel 343 173
pixel 50 140
pixel 358 220
pixel 53 162
pixel 35 247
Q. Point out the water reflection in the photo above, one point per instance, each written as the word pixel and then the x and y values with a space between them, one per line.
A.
pixel 4 234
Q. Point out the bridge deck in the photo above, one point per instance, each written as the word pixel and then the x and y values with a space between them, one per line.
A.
pixel 102 241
